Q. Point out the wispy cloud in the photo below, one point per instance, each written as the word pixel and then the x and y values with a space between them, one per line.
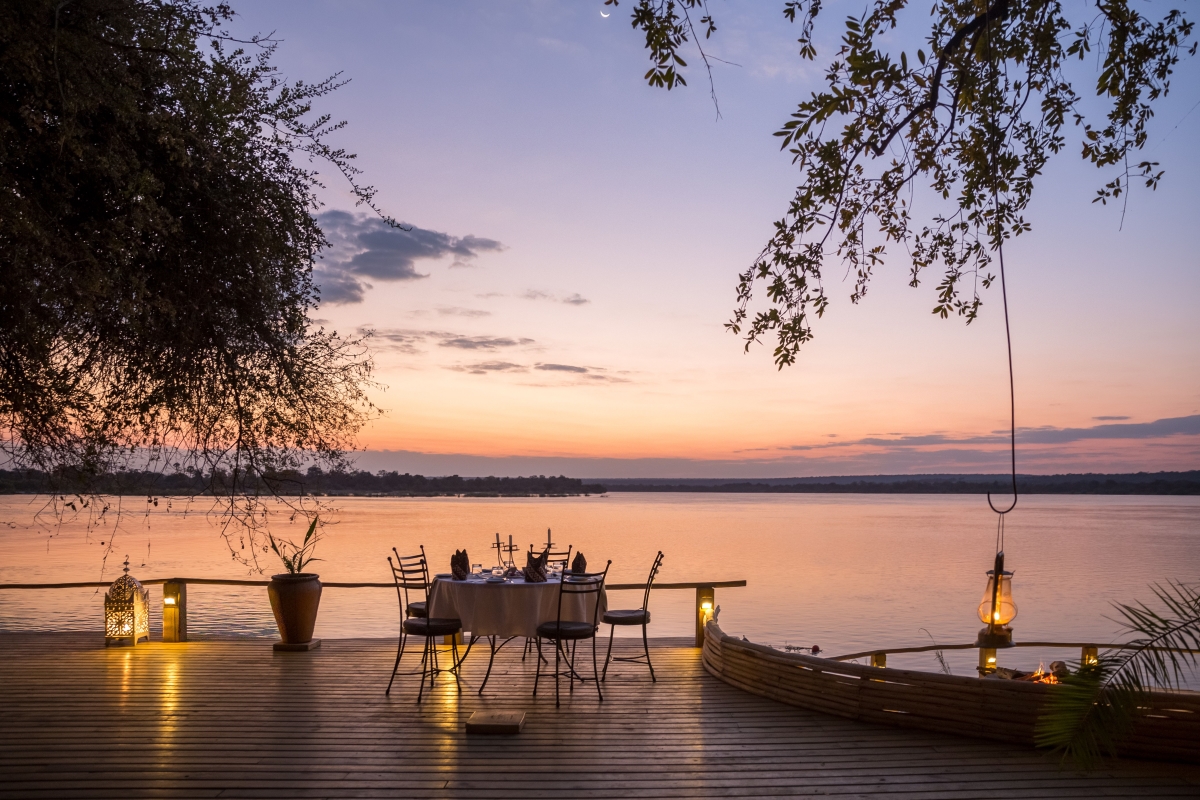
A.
pixel 1109 419
pixel 411 341
pixel 396 340
pixel 363 247
pixel 483 342
pixel 487 367
pixel 407 340
pixel 1174 426
pixel 581 375
pixel 562 374
pixel 561 368
pixel 454 311
pixel 571 299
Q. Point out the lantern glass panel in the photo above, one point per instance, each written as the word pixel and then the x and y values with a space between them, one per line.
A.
pixel 1005 610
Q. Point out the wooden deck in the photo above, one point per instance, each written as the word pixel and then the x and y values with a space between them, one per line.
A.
pixel 235 719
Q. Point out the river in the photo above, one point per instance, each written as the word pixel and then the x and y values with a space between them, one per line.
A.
pixel 845 572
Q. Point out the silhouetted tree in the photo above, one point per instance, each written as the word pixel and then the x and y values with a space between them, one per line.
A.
pixel 156 242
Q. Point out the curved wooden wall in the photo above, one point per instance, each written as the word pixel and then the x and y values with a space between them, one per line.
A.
pixel 992 709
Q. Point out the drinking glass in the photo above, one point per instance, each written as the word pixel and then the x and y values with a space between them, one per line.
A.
pixel 477 569
pixel 497 572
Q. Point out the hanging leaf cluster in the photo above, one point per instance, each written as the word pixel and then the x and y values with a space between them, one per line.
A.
pixel 963 126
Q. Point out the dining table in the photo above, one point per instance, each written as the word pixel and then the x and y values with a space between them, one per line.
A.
pixel 503 610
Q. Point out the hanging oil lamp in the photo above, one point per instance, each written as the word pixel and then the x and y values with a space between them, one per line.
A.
pixel 996 610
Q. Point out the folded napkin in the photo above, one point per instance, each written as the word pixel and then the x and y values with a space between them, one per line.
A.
pixel 579 564
pixel 535 567
pixel 460 565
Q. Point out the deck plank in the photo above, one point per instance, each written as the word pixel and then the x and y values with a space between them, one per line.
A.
pixel 233 718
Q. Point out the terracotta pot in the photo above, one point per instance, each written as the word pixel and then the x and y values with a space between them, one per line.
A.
pixel 294 599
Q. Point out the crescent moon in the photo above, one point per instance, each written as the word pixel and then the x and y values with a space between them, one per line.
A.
pixel 606 16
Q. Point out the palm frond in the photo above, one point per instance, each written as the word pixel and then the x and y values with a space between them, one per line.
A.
pixel 1097 706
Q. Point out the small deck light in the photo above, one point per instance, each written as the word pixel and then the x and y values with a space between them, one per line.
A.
pixel 705 603
pixel 1090 656
pixel 126 611
pixel 174 611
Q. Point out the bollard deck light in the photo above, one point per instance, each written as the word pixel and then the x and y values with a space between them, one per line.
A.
pixel 126 611
pixel 174 611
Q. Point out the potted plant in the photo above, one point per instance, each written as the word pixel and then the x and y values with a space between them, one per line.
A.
pixel 296 594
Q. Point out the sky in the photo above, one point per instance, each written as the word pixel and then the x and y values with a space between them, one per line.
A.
pixel 559 303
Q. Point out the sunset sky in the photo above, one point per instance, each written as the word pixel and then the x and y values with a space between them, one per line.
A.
pixel 558 306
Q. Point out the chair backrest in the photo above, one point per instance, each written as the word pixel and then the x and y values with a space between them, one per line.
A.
pixel 583 583
pixel 650 581
pixel 557 558
pixel 411 573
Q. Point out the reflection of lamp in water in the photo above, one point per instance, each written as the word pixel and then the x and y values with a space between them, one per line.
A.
pixel 126 611
pixel 996 610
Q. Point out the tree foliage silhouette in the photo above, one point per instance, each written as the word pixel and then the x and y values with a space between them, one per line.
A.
pixel 971 118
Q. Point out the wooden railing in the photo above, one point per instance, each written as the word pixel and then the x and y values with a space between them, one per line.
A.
pixel 175 595
pixel 1087 650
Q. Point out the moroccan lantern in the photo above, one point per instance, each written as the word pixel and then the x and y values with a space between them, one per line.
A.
pixel 126 611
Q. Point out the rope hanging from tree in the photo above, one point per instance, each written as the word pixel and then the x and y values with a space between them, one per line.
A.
pixel 1012 394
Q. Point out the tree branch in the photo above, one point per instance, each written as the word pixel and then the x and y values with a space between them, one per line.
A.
pixel 976 26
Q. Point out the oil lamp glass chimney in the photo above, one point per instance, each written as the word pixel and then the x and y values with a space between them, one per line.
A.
pixel 997 608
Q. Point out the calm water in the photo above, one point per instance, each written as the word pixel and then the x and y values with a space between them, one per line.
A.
pixel 847 572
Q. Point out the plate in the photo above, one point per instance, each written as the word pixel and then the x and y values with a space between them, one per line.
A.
pixel 495 580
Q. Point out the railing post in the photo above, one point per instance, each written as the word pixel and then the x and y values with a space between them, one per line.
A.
pixel 705 603
pixel 174 614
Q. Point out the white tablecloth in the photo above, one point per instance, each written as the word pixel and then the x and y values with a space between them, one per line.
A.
pixel 514 608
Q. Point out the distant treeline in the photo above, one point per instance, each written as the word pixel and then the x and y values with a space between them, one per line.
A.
pixel 315 481
pixel 1144 483
pixel 395 484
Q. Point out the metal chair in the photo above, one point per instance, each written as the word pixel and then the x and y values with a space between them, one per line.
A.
pixel 411 574
pixel 633 616
pixel 553 558
pixel 411 565
pixel 562 631
pixel 556 558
